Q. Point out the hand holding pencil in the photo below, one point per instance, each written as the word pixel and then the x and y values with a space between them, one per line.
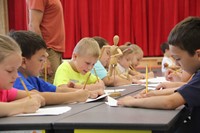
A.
pixel 33 104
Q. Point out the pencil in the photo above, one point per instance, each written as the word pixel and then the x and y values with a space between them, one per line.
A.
pixel 86 81
pixel 25 88
pixel 131 67
pixel 95 72
pixel 45 71
pixel 146 78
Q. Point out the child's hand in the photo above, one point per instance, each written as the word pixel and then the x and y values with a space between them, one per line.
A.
pixel 126 101
pixel 135 81
pixel 143 94
pixel 39 98
pixel 169 85
pixel 161 86
pixel 139 76
pixel 151 74
pixel 166 85
pixel 71 85
pixel 96 93
pixel 33 104
pixel 173 76
pixel 82 95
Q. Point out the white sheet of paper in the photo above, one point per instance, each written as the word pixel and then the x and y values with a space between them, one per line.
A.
pixel 111 91
pixel 48 111
pixel 111 102
pixel 95 99
pixel 156 80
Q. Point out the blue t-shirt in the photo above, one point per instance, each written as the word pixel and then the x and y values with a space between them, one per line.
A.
pixel 34 83
pixel 100 70
pixel 191 93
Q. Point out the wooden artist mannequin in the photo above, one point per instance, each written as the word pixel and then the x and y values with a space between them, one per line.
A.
pixel 115 54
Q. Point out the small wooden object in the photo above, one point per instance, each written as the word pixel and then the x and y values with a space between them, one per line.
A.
pixel 115 53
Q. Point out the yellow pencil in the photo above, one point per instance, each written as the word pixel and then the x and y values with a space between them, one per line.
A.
pixel 131 67
pixel 95 72
pixel 45 71
pixel 146 78
pixel 25 88
pixel 86 81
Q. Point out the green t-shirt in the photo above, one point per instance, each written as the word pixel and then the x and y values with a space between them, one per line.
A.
pixel 65 73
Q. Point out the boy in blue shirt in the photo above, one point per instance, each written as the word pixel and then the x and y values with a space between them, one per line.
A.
pixel 184 46
pixel 33 58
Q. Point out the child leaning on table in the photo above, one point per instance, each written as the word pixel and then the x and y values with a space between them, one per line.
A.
pixel 103 63
pixel 137 57
pixel 13 101
pixel 77 70
pixel 33 57
pixel 184 42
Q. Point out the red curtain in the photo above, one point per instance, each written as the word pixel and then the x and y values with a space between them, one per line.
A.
pixel 143 22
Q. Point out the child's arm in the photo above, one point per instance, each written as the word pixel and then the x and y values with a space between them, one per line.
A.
pixel 157 102
pixel 143 93
pixel 24 105
pixel 169 85
pixel 70 87
pixel 52 98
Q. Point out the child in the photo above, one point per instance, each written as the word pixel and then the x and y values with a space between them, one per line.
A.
pixel 167 61
pixel 137 57
pixel 124 61
pixel 184 42
pixel 77 70
pixel 13 101
pixel 103 63
pixel 33 57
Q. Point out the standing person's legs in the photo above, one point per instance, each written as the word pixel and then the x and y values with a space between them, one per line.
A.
pixel 55 59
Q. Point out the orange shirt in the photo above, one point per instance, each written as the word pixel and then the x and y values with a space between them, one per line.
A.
pixel 52 25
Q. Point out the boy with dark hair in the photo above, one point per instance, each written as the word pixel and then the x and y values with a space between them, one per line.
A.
pixel 184 46
pixel 167 61
pixel 33 58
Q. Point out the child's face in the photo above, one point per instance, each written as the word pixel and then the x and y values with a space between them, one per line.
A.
pixel 187 62
pixel 84 64
pixel 125 60
pixel 136 58
pixel 35 65
pixel 105 57
pixel 8 70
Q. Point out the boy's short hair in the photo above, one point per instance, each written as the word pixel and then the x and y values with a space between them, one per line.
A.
pixel 186 35
pixel 28 41
pixel 87 47
pixel 164 46
pixel 101 41
pixel 7 46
